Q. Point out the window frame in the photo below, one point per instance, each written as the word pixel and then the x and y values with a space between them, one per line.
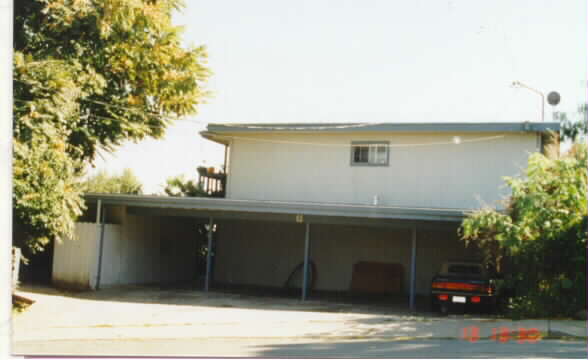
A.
pixel 355 144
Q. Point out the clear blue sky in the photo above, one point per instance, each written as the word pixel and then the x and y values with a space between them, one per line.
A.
pixel 369 61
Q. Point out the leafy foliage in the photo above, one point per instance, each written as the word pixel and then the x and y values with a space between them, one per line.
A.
pixel 127 57
pixel 126 183
pixel 89 75
pixel 179 186
pixel 542 234
pixel 46 193
pixel 573 129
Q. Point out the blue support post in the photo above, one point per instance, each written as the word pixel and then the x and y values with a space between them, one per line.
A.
pixel 100 219
pixel 413 269
pixel 208 256
pixel 305 269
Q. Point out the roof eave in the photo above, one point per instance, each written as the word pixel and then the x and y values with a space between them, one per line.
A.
pixel 278 207
pixel 529 127
pixel 212 136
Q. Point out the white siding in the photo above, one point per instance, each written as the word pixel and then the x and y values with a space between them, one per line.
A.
pixel 285 167
pixel 142 250
pixel 151 250
pixel 75 260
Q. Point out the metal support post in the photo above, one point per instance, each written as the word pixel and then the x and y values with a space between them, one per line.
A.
pixel 305 269
pixel 413 269
pixel 208 256
pixel 100 218
pixel 98 212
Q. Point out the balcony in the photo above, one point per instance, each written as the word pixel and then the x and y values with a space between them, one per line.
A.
pixel 212 182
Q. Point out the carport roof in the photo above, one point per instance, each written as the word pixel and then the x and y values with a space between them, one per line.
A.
pixel 276 210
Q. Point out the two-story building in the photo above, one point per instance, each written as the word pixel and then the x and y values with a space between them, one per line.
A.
pixel 354 207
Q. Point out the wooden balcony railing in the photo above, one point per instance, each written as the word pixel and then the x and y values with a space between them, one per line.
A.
pixel 213 184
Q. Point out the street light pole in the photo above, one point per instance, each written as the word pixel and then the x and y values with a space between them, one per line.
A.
pixel 520 84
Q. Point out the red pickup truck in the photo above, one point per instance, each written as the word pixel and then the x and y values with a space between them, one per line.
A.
pixel 463 284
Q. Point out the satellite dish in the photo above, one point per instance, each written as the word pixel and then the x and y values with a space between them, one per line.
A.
pixel 553 98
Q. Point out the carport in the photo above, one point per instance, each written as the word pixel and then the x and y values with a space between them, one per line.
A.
pixel 302 216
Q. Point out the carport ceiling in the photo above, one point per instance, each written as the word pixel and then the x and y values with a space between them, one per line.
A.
pixel 292 212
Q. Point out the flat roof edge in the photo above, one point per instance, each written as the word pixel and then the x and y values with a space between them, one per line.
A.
pixel 211 136
pixel 382 127
pixel 294 208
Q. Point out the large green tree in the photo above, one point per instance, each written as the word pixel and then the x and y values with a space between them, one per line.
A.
pixel 541 236
pixel 88 75
pixel 125 183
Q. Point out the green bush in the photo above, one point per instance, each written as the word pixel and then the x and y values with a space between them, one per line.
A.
pixel 539 243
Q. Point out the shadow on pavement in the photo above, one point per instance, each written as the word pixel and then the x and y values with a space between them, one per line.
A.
pixel 245 297
pixel 423 349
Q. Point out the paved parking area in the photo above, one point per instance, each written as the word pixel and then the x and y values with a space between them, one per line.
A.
pixel 134 314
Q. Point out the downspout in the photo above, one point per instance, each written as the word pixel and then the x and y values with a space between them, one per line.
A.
pixel 225 181
pixel 541 143
pixel 225 160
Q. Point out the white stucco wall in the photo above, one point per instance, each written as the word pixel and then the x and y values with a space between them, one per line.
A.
pixel 264 253
pixel 285 167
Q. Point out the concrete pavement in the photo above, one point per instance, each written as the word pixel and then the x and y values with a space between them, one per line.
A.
pixel 126 316
pixel 301 348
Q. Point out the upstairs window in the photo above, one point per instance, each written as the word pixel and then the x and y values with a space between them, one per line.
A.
pixel 368 153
